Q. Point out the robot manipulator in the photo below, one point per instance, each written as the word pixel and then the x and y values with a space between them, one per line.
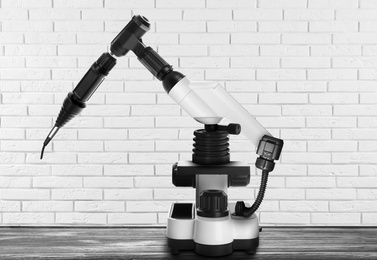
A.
pixel 210 227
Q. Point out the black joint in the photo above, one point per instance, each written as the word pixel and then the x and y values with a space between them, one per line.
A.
pixel 239 208
pixel 233 129
pixel 105 63
pixel 270 148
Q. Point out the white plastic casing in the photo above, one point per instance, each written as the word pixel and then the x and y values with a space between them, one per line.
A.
pixel 208 103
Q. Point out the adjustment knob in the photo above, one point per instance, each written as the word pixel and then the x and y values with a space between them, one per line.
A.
pixel 213 204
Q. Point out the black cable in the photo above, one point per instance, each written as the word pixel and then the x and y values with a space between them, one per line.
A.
pixel 242 210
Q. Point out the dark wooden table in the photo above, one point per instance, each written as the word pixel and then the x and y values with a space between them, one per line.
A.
pixel 150 243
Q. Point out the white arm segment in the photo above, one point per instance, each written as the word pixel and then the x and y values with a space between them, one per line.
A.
pixel 209 103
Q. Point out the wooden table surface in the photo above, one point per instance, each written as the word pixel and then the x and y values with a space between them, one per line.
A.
pixel 150 243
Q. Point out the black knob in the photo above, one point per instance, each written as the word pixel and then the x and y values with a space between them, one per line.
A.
pixel 213 204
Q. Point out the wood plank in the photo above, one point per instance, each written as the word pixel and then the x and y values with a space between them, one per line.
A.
pixel 150 243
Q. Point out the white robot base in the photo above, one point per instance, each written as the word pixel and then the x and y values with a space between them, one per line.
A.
pixel 210 236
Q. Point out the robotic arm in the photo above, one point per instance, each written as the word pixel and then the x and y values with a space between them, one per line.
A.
pixel 206 102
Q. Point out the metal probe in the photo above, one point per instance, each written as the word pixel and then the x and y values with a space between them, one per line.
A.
pixel 51 135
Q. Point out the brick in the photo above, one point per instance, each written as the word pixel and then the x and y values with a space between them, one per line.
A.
pixel 336 218
pixel 358 14
pixel 332 74
pixel 250 86
pixel 22 170
pixel 24 194
pixel 368 26
pixel 50 62
pixel 8 206
pixel 106 110
pixel 285 26
pixel 79 170
pixel 101 158
pixel 129 146
pixel 258 14
pixel 128 170
pixel 361 158
pixel 180 4
pixel 367 146
pixel 24 4
pixel 285 194
pixel 334 98
pixel 352 110
pixel 284 218
pixel 333 193
pixel 26 122
pixel 53 14
pixel 204 38
pixel 100 206
pixel 132 218
pixel 368 170
pixel 306 38
pixel 310 182
pixel 47 206
pixel 230 4
pixel 108 182
pixel 76 194
pixel 366 194
pixel 204 62
pixel 28 74
pixel 306 158
pixel 283 50
pixel 304 206
pixel 128 194
pixel 230 74
pixel 105 14
pixel 57 182
pixel 254 62
pixel 367 122
pixel 368 4
pixel 353 206
pixel 29 26
pixel 11 37
pixel 272 98
pixel 152 157
pixel 12 158
pixel 368 74
pixel 281 74
pixel 367 98
pixel 332 3
pixel 28 218
pixel 176 194
pixel 182 121
pixel 354 134
pixel 155 110
pixel 335 50
pixel 311 62
pixel 333 122
pixel 15 182
pixel 146 206
pixel 81 218
pixel 369 218
pixel 13 110
pixel 150 182
pixel 130 98
pixel 361 182
pixel 282 4
pixel 78 3
pixel 333 170
pixel 254 38
pixel 309 14
pixel 354 38
pixel 328 146
pixel 154 134
pixel 207 14
pixel 231 26
pixel 127 3
pixel 13 14
pixel 305 134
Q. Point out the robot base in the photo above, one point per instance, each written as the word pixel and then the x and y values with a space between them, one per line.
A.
pixel 210 236
pixel 248 245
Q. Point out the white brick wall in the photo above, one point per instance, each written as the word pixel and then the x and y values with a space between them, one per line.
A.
pixel 304 68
